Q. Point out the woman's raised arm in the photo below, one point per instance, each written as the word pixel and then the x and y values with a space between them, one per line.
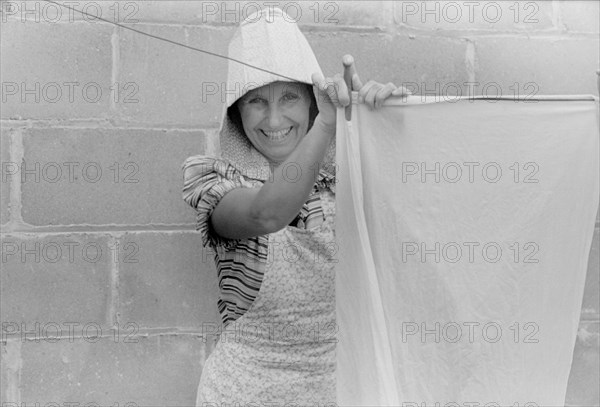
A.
pixel 248 212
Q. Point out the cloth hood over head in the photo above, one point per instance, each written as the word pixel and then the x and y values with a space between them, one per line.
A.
pixel 270 40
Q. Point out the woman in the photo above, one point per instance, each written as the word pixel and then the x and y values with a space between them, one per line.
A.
pixel 266 207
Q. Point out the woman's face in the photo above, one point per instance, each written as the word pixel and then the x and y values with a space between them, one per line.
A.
pixel 275 118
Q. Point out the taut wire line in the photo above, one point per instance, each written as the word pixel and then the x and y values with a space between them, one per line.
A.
pixel 172 42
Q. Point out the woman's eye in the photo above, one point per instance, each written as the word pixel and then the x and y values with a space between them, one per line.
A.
pixel 256 100
pixel 290 96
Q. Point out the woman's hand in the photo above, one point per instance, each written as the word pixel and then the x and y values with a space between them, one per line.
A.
pixel 330 93
pixel 373 94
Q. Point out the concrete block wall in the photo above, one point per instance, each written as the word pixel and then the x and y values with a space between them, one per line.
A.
pixel 107 295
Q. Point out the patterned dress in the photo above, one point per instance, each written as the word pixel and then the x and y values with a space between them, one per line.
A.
pixel 277 299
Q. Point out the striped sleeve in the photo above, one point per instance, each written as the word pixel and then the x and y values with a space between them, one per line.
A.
pixel 205 181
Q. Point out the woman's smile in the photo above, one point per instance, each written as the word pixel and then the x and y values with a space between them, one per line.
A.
pixel 277 136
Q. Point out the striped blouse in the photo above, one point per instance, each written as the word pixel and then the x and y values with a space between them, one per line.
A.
pixel 240 262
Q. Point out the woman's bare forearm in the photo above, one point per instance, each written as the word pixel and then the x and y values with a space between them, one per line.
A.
pixel 281 197
pixel 247 212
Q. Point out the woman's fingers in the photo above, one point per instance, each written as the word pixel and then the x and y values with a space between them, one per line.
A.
pixel 374 93
pixel 356 82
pixel 317 80
pixel 323 87
pixel 333 88
pixel 384 93
pixel 381 94
pixel 320 91
pixel 368 87
pixel 401 91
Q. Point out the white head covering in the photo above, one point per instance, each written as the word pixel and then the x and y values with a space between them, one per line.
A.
pixel 271 40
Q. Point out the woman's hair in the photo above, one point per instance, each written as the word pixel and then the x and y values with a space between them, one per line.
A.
pixel 233 112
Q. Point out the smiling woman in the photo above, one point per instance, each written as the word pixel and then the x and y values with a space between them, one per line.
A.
pixel 273 232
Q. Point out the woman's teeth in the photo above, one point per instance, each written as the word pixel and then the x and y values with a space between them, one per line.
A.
pixel 277 135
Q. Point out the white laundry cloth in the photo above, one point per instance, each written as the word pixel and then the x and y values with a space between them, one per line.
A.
pixel 464 230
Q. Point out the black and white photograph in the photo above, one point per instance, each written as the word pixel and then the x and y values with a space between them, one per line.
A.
pixel 300 203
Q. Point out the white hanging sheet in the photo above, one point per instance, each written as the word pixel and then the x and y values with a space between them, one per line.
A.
pixel 464 230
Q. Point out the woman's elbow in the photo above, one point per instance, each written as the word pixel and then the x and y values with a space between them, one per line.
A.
pixel 268 222
pixel 237 216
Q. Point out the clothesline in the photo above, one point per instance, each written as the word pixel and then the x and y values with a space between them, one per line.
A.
pixel 170 41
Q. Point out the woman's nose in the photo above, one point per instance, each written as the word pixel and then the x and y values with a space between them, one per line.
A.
pixel 275 117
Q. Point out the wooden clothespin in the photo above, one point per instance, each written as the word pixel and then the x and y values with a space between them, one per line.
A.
pixel 349 72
